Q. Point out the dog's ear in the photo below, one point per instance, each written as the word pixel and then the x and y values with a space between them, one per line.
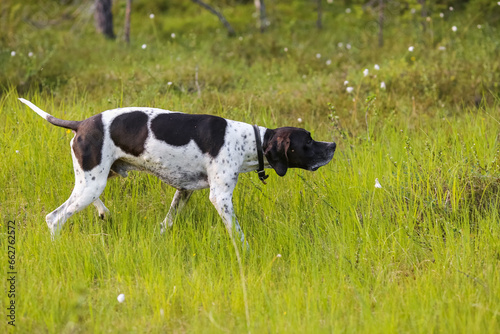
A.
pixel 276 153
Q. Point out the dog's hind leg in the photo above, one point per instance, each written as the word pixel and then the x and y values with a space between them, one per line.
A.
pixel 101 208
pixel 89 184
pixel 181 197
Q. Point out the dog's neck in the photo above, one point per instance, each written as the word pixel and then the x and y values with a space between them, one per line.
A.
pixel 251 162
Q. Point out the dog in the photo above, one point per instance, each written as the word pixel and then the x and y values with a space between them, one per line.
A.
pixel 186 151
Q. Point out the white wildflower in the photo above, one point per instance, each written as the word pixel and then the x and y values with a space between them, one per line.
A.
pixel 172 35
pixel 382 85
pixel 299 120
pixel 376 67
pixel 346 82
pixel 318 55
pixel 479 26
pixel 411 48
pixel 13 54
pixel 17 151
pixel 441 15
pixel 285 49
pixel 340 44
pixel 348 46
pixel 377 184
pixel 121 298
pixel 451 9
pixel 349 89
pixel 365 72
pixel 348 10
pixel 151 16
pixel 442 48
pixel 169 83
pixel 279 255
pixel 30 54
pixel 328 62
pixel 454 28
pixel 240 38
pixel 144 46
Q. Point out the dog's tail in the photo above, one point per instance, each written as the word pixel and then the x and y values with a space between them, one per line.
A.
pixel 73 125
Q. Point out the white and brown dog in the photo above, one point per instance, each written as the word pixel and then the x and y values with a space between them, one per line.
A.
pixel 188 152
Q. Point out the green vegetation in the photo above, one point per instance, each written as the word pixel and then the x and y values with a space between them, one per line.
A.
pixel 330 252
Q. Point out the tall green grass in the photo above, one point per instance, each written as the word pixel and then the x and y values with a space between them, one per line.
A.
pixel 330 252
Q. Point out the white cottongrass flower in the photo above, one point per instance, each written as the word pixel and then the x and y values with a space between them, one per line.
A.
pixel 442 48
pixel 376 67
pixel 299 120
pixel 279 255
pixel 17 151
pixel 144 46
pixel 479 26
pixel 30 54
pixel 377 184
pixel 151 16
pixel 172 35
pixel 348 10
pixel 454 28
pixel 411 48
pixel 451 9
pixel 318 55
pixel 349 89
pixel 498 3
pixel 441 15
pixel 328 62
pixel 348 46
pixel 285 49
pixel 382 85
pixel 121 298
pixel 340 44
pixel 346 82
pixel 413 11
pixel 13 53
pixel 169 83
pixel 365 72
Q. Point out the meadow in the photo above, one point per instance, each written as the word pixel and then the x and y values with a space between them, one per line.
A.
pixel 329 251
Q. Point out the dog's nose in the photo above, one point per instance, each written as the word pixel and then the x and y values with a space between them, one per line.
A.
pixel 333 146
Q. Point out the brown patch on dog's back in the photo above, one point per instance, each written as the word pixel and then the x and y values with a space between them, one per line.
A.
pixel 129 132
pixel 87 144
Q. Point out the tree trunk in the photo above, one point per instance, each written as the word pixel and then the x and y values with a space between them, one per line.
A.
pixel 380 23
pixel 104 18
pixel 126 34
pixel 319 23
pixel 261 12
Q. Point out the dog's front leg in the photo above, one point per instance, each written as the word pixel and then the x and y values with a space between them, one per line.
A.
pixel 221 196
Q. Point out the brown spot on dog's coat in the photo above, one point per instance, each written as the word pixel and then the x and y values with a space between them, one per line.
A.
pixel 87 144
pixel 129 132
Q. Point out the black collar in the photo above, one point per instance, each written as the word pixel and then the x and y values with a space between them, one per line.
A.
pixel 260 155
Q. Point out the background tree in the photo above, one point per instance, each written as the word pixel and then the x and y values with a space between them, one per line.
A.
pixel 104 18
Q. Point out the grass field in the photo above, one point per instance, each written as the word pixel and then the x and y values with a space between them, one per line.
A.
pixel 330 252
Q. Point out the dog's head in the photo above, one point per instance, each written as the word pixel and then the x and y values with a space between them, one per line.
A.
pixel 290 147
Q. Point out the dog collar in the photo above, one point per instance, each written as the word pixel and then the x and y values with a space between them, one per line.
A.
pixel 260 155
